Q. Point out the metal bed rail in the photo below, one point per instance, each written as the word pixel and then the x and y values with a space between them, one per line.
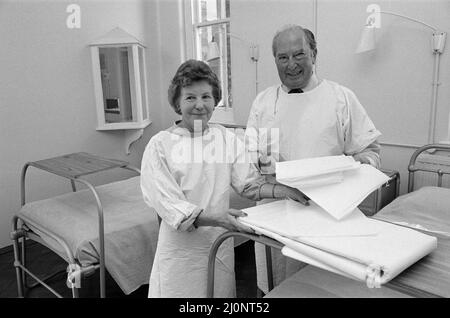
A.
pixel 412 167
pixel 268 243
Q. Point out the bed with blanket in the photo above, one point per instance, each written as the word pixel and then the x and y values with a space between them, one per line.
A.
pixel 68 224
pixel 424 208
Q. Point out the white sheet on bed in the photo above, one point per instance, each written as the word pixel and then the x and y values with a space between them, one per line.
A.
pixel 427 209
pixel 131 229
pixel 374 258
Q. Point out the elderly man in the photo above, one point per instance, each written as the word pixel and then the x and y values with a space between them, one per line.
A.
pixel 309 117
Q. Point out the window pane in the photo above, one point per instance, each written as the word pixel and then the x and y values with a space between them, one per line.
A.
pixel 213 46
pixel 210 10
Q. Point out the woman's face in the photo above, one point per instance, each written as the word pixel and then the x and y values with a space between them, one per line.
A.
pixel 196 106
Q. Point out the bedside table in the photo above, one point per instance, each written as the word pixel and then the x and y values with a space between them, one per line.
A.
pixel 383 196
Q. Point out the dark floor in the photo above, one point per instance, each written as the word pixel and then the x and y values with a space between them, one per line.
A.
pixel 245 275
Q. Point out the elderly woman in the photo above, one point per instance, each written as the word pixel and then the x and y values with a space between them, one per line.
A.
pixel 187 171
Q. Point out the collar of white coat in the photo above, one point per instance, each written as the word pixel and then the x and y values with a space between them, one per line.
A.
pixel 181 131
pixel 312 83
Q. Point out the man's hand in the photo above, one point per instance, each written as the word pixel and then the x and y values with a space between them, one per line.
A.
pixel 291 193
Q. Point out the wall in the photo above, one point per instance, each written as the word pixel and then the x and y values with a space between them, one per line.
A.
pixel 163 38
pixel 47 105
pixel 393 82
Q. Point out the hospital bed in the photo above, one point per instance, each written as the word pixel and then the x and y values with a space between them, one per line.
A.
pixel 107 227
pixel 426 209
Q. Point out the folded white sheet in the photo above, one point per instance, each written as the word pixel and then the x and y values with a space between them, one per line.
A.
pixel 373 258
pixel 334 177
pixel 294 220
pixel 312 167
pixel 341 198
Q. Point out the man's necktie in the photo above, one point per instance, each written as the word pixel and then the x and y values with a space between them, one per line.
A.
pixel 295 91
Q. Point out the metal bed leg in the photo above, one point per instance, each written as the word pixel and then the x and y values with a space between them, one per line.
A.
pixel 22 203
pixel 19 272
pixel 75 292
pixel 215 247
pixel 212 261
pixel 24 261
pixel 101 236
pixel 269 268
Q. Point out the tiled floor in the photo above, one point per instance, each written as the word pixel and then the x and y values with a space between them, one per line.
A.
pixel 245 275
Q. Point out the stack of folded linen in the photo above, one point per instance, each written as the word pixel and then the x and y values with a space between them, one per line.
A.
pixel 357 247
pixel 338 184
pixel 314 171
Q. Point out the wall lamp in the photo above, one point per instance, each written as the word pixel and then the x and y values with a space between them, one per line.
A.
pixel 367 43
pixel 213 54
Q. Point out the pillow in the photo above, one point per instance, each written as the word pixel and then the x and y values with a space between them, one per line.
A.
pixel 427 208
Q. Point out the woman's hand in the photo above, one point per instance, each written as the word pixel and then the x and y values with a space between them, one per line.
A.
pixel 226 219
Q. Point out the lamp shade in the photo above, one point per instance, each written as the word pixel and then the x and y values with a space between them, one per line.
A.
pixel 367 40
pixel 213 52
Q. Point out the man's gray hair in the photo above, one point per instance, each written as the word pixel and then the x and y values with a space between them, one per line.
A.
pixel 310 39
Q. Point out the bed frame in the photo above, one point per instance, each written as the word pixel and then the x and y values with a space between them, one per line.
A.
pixel 72 167
pixel 413 167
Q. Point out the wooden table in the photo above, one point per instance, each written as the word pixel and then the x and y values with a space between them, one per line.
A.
pixel 78 164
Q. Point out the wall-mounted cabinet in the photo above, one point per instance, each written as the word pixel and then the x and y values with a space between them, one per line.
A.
pixel 120 83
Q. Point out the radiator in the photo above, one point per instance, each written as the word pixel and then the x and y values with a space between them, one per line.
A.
pixel 432 161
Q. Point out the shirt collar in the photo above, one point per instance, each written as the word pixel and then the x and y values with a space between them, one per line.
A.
pixel 181 131
pixel 313 83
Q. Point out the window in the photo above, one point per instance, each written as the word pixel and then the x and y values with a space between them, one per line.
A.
pixel 210 25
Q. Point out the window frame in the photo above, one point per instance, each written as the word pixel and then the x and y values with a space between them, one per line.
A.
pixel 224 111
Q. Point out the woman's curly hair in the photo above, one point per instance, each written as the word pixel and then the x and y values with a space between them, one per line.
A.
pixel 190 72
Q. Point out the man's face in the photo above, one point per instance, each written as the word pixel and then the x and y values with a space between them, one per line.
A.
pixel 294 59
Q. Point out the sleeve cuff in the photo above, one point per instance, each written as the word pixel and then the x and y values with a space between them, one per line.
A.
pixel 188 223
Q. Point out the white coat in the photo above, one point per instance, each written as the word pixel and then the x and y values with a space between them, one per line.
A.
pixel 180 176
pixel 327 120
